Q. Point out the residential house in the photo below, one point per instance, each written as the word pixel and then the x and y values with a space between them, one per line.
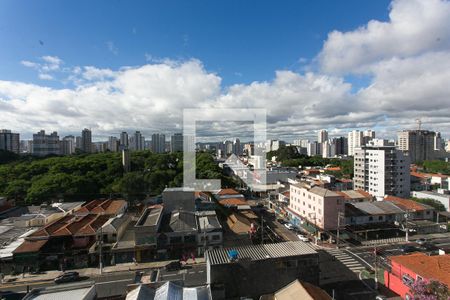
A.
pixel 146 233
pixel 109 207
pixel 210 234
pixel 178 198
pixel 298 290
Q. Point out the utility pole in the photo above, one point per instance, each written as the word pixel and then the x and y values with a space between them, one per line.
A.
pixel 406 225
pixel 100 250
pixel 376 268
pixel 340 215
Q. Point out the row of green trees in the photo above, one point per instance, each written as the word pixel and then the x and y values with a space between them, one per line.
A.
pixel 436 166
pixel 84 177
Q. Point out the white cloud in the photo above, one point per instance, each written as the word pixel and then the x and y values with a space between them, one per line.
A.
pixel 414 27
pixel 407 58
pixel 44 76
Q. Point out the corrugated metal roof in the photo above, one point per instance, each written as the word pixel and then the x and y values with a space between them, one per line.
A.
pixel 260 252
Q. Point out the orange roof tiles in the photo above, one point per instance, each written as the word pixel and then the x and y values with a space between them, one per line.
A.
pixel 287 194
pixel 30 246
pixel 420 175
pixel 232 202
pixel 430 267
pixel 333 169
pixel 228 192
pixel 103 206
pixel 72 225
pixel 406 203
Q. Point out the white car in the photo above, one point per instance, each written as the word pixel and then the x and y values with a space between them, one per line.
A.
pixel 303 238
pixel 289 226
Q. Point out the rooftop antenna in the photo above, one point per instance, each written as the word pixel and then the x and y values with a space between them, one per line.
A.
pixel 419 123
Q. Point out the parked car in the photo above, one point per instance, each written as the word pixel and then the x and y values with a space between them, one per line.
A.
pixel 173 266
pixel 407 248
pixel 303 238
pixel 428 247
pixel 421 241
pixel 67 277
pixel 289 226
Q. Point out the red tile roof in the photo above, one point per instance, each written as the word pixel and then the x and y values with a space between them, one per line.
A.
pixel 228 192
pixel 420 175
pixel 430 267
pixel 333 169
pixel 102 206
pixel 72 226
pixel 30 246
pixel 406 203
pixel 232 202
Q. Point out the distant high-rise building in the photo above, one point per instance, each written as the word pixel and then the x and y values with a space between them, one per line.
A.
pixel 113 144
pixel 313 149
pixel 158 143
pixel 341 145
pixel 419 145
pixel 67 146
pixel 44 144
pixel 358 138
pixel 380 169
pixel 86 141
pixel 322 136
pixel 326 149
pixel 176 142
pixel 123 140
pixel 237 147
pixel 137 142
pixel 438 142
pixel 78 142
pixel 9 141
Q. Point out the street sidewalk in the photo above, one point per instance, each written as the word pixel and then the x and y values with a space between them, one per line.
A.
pixel 92 272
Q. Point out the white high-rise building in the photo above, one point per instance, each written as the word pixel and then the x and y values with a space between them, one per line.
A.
pixel 67 146
pixel 358 138
pixel 322 136
pixel 381 169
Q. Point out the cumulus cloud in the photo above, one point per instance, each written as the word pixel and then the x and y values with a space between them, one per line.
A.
pixel 414 27
pixel 407 59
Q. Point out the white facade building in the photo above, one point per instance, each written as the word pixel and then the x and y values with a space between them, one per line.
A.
pixel 381 169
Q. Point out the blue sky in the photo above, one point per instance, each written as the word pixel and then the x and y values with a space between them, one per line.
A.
pixel 135 65
pixel 242 41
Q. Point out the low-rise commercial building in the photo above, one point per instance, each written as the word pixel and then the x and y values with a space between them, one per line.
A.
pixel 407 269
pixel 442 198
pixel 248 271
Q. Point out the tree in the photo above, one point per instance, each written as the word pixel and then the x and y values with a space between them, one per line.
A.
pixel 431 202
pixel 437 166
pixel 432 290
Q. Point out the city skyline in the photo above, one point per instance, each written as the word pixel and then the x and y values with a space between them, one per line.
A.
pixel 370 85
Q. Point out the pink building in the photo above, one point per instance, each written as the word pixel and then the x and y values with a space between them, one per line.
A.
pixel 315 204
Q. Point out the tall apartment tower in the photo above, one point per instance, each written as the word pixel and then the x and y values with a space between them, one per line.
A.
pixel 86 141
pixel 44 144
pixel 113 144
pixel 419 145
pixel 123 140
pixel 381 169
pixel 176 142
pixel 137 142
pixel 9 141
pixel 158 143
pixel 358 138
pixel 237 147
pixel 322 136
pixel 67 145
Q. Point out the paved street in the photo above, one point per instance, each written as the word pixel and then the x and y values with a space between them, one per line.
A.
pixel 192 275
